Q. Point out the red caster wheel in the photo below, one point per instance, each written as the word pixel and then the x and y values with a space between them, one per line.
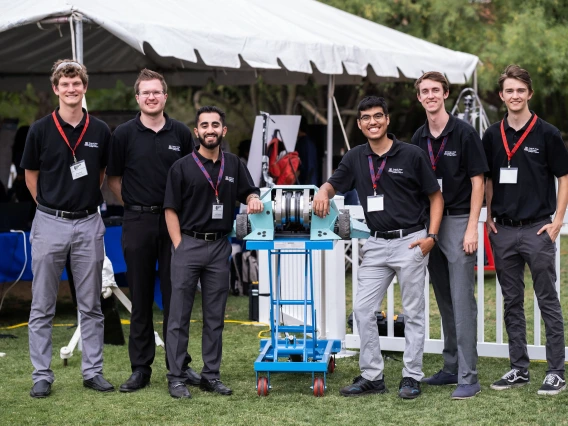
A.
pixel 319 387
pixel 262 386
pixel 331 365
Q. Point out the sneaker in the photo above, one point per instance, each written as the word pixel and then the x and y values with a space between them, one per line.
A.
pixel 466 391
pixel 362 386
pixel 553 384
pixel 513 379
pixel 409 388
pixel 441 378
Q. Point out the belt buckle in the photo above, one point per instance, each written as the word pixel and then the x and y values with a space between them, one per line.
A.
pixel 213 234
pixel 155 209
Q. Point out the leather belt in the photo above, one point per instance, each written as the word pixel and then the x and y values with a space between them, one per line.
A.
pixel 398 233
pixel 455 212
pixel 207 236
pixel 510 222
pixel 146 209
pixel 67 215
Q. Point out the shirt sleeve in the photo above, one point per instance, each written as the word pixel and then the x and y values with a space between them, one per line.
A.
pixel 416 137
pixel 476 161
pixel 185 139
pixel 173 193
pixel 31 159
pixel 557 154
pixel 343 179
pixel 426 175
pixel 117 152
pixel 488 149
pixel 245 183
pixel 104 153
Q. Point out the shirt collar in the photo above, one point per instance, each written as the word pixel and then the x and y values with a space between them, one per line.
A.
pixel 202 158
pixel 396 144
pixel 64 123
pixel 449 127
pixel 167 125
pixel 507 127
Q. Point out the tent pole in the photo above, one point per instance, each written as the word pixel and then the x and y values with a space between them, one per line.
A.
pixel 475 79
pixel 79 39
pixel 329 157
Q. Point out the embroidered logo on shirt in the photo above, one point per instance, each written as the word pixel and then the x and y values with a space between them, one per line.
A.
pixel 230 179
pixel 92 144
pixel 531 150
pixel 450 153
pixel 397 171
pixel 175 148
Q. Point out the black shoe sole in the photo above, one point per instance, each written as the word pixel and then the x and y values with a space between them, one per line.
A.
pixel 214 391
pixel 130 390
pixel 190 383
pixel 369 392
pixel 180 397
pixel 98 389
pixel 38 396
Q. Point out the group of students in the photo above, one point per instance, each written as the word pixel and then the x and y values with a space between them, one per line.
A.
pixel 448 164
pixel 178 201
pixel 178 210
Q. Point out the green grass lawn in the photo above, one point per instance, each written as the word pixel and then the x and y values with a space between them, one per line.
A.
pixel 290 401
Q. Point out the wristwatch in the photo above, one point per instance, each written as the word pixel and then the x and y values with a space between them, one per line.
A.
pixel 433 236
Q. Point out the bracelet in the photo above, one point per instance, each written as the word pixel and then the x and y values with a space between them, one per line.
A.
pixel 251 196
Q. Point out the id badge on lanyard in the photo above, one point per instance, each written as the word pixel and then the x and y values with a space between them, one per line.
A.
pixel 376 203
pixel 217 208
pixel 509 175
pixel 440 184
pixel 78 169
pixel 217 212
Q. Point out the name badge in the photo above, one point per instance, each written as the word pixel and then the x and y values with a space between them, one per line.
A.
pixel 217 212
pixel 376 203
pixel 78 169
pixel 508 175
pixel 440 183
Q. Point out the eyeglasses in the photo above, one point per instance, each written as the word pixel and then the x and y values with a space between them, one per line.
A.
pixel 367 118
pixel 156 94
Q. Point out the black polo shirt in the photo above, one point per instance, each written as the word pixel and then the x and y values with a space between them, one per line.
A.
pixel 189 193
pixel 542 156
pixel 143 158
pixel 406 180
pixel 47 152
pixel 463 158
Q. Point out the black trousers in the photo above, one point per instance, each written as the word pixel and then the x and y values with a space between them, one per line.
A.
pixel 145 240
pixel 513 247
pixel 195 260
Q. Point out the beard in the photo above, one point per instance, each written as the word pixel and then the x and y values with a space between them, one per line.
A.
pixel 211 145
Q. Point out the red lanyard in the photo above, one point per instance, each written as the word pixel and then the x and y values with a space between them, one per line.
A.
pixel 65 137
pixel 518 144
pixel 433 160
pixel 375 178
pixel 219 178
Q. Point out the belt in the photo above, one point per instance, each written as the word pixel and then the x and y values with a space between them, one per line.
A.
pixel 146 209
pixel 67 215
pixel 510 222
pixel 399 233
pixel 207 236
pixel 454 212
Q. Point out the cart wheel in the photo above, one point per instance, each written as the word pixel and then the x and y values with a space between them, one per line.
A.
pixel 319 387
pixel 344 225
pixel 262 386
pixel 242 226
pixel 331 365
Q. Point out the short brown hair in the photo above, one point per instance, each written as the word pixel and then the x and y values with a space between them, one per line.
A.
pixel 434 76
pixel 146 75
pixel 68 68
pixel 518 73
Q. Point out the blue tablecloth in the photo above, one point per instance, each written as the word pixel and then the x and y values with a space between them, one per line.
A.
pixel 12 257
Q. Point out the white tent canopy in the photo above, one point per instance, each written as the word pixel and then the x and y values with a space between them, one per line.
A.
pixel 232 41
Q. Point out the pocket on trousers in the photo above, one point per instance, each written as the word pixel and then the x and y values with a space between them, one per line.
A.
pixel 418 255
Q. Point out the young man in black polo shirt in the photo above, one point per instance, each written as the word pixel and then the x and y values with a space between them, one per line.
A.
pixel 142 152
pixel 525 153
pixel 392 179
pixel 64 160
pixel 458 160
pixel 200 194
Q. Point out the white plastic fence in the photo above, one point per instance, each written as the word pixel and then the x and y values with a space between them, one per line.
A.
pixel 330 302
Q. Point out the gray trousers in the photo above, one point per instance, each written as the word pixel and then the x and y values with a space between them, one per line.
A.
pixel 207 261
pixel 52 238
pixel 382 259
pixel 513 247
pixel 453 279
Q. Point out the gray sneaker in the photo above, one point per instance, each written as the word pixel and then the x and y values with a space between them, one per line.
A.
pixel 466 391
pixel 441 378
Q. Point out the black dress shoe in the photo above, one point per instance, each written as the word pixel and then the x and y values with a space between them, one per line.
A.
pixel 98 383
pixel 192 378
pixel 214 385
pixel 136 381
pixel 178 390
pixel 40 389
